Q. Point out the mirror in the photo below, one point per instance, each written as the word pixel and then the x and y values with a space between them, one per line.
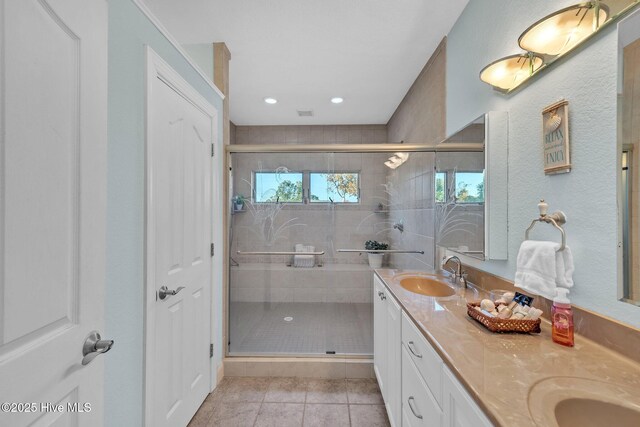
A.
pixel 629 157
pixel 471 190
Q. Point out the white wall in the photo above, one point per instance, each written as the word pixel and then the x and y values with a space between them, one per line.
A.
pixel 587 78
pixel 129 31
pixel 202 55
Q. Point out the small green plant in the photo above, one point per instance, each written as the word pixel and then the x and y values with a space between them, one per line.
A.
pixel 373 245
pixel 239 199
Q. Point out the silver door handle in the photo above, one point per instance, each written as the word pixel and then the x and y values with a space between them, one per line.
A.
pixel 164 292
pixel 94 346
pixel 411 400
pixel 411 345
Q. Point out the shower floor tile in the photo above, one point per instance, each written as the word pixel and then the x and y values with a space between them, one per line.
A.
pixel 258 328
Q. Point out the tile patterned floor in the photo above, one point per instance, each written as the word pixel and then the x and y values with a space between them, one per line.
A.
pixel 313 328
pixel 283 402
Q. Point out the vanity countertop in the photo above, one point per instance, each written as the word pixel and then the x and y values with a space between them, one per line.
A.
pixel 500 370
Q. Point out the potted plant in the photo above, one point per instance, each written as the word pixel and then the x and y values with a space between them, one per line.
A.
pixel 375 259
pixel 238 202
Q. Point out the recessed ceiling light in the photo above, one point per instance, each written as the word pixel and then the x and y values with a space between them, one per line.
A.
pixel 337 100
pixel 270 100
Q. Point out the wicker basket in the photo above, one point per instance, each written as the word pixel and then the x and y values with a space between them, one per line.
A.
pixel 495 324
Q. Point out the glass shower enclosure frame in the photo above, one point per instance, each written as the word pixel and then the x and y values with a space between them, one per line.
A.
pixel 298 278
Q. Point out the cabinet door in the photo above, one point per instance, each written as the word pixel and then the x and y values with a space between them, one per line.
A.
pixel 459 408
pixel 379 334
pixel 419 407
pixel 393 359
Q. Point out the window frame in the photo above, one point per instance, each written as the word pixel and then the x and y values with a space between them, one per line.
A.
pixel 446 187
pixel 319 202
pixel 455 182
pixel 306 186
pixel 254 186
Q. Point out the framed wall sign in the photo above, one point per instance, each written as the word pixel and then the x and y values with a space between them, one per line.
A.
pixel 555 138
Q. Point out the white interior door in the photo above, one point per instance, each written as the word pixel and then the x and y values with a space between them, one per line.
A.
pixel 179 144
pixel 53 115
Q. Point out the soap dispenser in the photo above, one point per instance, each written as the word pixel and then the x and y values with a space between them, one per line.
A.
pixel 562 318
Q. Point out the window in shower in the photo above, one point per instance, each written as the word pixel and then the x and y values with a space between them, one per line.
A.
pixel 441 187
pixel 334 187
pixel 469 187
pixel 272 187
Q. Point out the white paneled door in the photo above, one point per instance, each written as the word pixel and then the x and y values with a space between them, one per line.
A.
pixel 53 138
pixel 180 128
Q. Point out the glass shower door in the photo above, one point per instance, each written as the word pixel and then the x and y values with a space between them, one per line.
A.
pixel 291 292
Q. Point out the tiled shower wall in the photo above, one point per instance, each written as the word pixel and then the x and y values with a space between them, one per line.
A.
pixel 411 189
pixel 343 277
pixel 339 134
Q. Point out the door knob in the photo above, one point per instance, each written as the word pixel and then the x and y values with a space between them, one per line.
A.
pixel 94 346
pixel 164 292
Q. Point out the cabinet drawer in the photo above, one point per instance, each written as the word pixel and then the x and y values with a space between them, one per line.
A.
pixel 424 356
pixel 419 407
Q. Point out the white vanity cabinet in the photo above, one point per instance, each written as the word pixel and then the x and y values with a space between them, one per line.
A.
pixel 459 408
pixel 387 348
pixel 417 387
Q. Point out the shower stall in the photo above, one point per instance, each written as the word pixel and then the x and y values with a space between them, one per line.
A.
pixel 298 285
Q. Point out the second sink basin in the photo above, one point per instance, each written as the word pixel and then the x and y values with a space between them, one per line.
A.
pixel 572 401
pixel 591 412
pixel 429 286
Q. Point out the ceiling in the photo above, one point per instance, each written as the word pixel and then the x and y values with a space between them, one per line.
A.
pixel 305 52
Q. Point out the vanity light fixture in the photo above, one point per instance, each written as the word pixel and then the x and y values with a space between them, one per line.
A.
pixel 509 72
pixel 270 100
pixel 561 31
pixel 337 100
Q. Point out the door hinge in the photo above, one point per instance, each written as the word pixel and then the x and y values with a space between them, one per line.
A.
pixel 213 249
pixel 213 150
pixel 210 350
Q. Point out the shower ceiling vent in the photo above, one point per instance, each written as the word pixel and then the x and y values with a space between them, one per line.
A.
pixel 305 113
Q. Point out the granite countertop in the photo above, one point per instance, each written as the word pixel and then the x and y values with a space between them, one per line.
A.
pixel 501 370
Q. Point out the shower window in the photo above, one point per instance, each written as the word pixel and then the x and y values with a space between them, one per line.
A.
pixel 469 187
pixel 272 187
pixel 334 187
pixel 441 187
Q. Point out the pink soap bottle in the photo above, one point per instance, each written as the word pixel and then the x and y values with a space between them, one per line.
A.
pixel 562 318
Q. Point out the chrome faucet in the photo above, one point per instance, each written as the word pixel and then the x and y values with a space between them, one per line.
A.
pixel 459 277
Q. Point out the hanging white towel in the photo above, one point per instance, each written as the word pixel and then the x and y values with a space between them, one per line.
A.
pixel 541 268
pixel 304 261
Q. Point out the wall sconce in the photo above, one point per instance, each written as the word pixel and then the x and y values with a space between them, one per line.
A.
pixel 561 31
pixel 509 72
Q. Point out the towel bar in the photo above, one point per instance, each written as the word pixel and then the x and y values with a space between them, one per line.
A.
pixel 377 251
pixel 556 219
pixel 280 253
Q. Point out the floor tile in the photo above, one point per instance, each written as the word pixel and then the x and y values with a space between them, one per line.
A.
pixel 326 415
pixel 234 414
pixel 368 416
pixel 242 389
pixel 204 412
pixel 280 415
pixel 291 390
pixel 327 391
pixel 364 391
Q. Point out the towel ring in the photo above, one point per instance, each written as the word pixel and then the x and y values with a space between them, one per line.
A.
pixel 556 219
